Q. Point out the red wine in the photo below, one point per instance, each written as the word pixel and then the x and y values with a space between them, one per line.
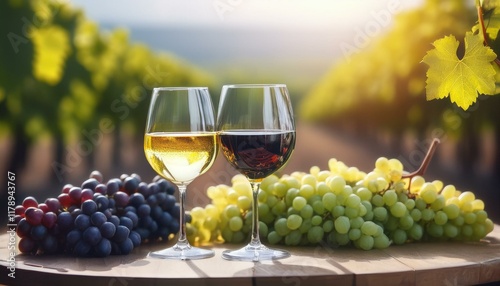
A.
pixel 257 153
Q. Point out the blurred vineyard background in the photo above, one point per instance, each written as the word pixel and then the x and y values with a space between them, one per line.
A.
pixel 74 98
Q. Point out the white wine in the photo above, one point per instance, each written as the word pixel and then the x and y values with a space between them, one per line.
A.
pixel 180 157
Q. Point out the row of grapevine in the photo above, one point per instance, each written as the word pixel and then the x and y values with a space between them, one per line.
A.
pixel 382 88
pixel 62 77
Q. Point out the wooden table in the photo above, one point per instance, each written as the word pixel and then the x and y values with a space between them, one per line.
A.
pixel 446 263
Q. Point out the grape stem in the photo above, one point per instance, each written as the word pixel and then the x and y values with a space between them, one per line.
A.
pixel 425 163
pixel 483 27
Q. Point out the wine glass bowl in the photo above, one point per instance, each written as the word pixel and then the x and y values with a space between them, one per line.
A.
pixel 257 136
pixel 180 144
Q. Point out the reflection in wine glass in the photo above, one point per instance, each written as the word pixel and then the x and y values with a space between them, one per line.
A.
pixel 180 144
pixel 257 135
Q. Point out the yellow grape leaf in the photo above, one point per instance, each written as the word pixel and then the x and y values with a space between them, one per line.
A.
pixel 462 79
pixel 51 47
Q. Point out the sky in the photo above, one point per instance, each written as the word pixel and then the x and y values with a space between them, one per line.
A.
pixel 301 13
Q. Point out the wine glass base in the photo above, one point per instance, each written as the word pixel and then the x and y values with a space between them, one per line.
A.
pixel 255 253
pixel 182 253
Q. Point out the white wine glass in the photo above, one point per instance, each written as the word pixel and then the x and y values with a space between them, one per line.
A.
pixel 180 144
pixel 257 136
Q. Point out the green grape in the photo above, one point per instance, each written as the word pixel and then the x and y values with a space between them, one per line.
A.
pixel 290 195
pixel 448 191
pixel 227 234
pixel 402 197
pixel 308 179
pixel 318 207
pixel 271 201
pixel 263 229
pixel 435 230
pixel 294 221
pixel 369 228
pixel 291 182
pixel 210 223
pixel 416 215
pixel 439 203
pixel 354 234
pixel 356 222
pixel 279 189
pixel 244 203
pixel 428 193
pixel 316 220
pixel 410 204
pixel 390 197
pixel 378 200
pixel 232 211
pixel 263 209
pixel 290 211
pixel 364 194
pixel 382 164
pixel 466 197
pixel 328 226
pixel 399 236
pixel 392 223
pixel 440 218
pixel 459 220
pixel 299 202
pixel 273 237
pixel 306 212
pixel 293 238
pixel 368 216
pixel 481 216
pixel 235 223
pixel 416 184
pixel 306 191
pixel 488 225
pixel 452 211
pixel 450 230
pixel 366 242
pixel 338 211
pixel 427 214
pixel 470 218
pixel 315 234
pixel 336 184
pixel 268 181
pixel 329 201
pixel 305 226
pixel 467 230
pixel 342 224
pixel 279 208
pixel 381 241
pixel 363 210
pixel 261 197
pixel 420 204
pixel 479 231
pixel 351 212
pixel 322 189
pixel 398 209
pixel 238 237
pixel 280 226
pixel 405 222
pixel 416 232
pixel 342 238
pixel 353 201
pixel 380 213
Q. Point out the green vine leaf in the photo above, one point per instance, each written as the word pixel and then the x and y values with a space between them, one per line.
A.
pixel 460 79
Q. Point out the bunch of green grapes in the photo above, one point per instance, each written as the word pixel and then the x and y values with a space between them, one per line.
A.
pixel 342 206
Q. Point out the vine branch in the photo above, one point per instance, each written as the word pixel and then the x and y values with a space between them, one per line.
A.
pixel 480 18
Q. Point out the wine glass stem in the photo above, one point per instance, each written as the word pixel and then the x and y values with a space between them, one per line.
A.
pixel 182 218
pixel 255 241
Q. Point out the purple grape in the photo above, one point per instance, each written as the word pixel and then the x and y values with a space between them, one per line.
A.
pixel 92 235
pixel 103 248
pixel 121 234
pixel 38 232
pixel 90 184
pixel 125 221
pixel 98 218
pixel 73 237
pixel 82 222
pixel 107 229
pixel 121 199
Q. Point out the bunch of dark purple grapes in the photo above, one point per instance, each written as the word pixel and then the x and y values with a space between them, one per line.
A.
pixel 99 219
